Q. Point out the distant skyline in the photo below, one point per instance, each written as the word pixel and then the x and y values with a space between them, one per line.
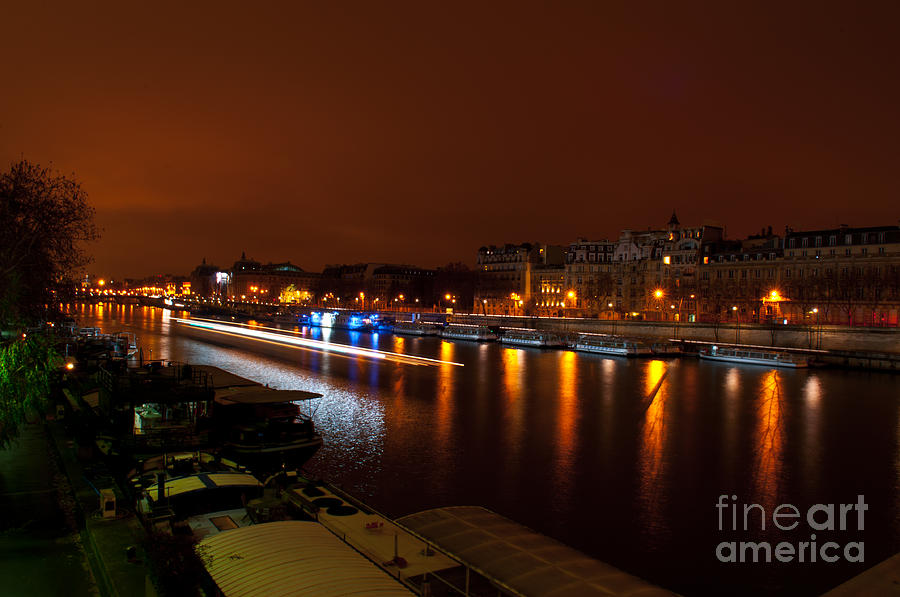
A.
pixel 416 133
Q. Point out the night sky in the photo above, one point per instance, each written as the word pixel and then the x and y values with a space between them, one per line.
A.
pixel 415 133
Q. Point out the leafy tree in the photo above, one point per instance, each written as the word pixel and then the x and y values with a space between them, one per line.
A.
pixel 26 371
pixel 44 217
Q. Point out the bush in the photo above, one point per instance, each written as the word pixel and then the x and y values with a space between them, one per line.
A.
pixel 27 367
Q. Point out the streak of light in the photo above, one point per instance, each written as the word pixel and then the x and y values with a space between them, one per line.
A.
pixel 283 339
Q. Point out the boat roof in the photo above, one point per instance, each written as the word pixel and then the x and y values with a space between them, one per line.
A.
pixel 261 395
pixel 202 481
pixel 520 560
pixel 292 557
pixel 375 536
pixel 224 379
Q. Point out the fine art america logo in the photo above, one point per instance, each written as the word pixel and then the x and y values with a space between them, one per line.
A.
pixel 744 518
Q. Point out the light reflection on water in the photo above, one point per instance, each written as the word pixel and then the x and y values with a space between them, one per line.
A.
pixel 623 459
pixel 767 472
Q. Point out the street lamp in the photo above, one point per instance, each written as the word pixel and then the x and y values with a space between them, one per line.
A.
pixel 612 316
pixel 818 332
pixel 674 322
pixel 658 294
pixel 737 326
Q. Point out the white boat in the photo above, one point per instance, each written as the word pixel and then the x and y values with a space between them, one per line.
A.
pixel 532 338
pixel 769 358
pixel 417 328
pixel 621 347
pixel 461 331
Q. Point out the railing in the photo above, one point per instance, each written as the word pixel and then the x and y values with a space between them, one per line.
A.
pixel 155 377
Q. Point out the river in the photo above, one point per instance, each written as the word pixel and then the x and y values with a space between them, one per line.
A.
pixel 624 460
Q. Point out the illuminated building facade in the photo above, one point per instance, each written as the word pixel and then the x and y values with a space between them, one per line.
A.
pixel 590 273
pixel 504 284
pixel 285 282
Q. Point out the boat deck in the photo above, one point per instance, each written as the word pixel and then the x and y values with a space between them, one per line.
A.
pixel 372 534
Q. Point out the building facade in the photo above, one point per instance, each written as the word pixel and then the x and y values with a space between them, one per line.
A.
pixel 504 283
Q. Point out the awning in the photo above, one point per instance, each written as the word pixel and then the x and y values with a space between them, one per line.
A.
pixel 520 560
pixel 261 395
pixel 291 558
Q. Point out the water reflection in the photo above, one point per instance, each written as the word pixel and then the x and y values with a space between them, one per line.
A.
pixel 731 424
pixel 812 429
pixel 654 437
pixel 567 407
pixel 513 423
pixel 769 439
pixel 444 448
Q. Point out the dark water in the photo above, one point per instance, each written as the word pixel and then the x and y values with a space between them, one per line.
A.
pixel 622 459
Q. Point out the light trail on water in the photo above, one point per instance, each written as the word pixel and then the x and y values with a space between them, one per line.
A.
pixel 278 336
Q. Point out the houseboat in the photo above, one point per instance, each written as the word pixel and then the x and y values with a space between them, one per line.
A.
pixel 266 429
pixel 478 333
pixel 159 408
pixel 184 492
pixel 748 356
pixel 609 345
pixel 532 338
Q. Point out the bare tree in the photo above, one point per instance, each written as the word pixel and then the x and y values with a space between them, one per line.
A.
pixel 44 218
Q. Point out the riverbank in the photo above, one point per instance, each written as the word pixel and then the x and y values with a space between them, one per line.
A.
pixel 842 338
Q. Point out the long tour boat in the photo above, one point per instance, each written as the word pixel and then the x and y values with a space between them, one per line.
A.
pixel 752 356
pixel 621 347
pixel 532 338
pixel 461 331
pixel 417 328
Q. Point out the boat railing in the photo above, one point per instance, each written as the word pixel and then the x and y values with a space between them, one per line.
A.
pixel 182 436
pixel 155 376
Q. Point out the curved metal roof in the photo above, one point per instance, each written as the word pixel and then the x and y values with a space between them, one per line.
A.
pixel 520 560
pixel 291 558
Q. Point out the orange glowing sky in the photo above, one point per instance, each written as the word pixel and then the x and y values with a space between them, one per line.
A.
pixel 416 132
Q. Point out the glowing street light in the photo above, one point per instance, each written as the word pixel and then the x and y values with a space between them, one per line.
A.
pixel 737 327
pixel 658 293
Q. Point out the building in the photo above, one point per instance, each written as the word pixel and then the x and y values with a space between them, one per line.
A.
pixel 204 280
pixel 590 277
pixel 283 283
pixel 403 286
pixel 504 285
